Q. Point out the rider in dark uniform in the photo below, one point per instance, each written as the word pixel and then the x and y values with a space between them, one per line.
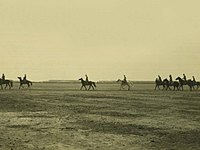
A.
pixel 125 79
pixel 3 77
pixel 86 78
pixel 184 77
pixel 24 79
pixel 160 79
pixel 170 79
pixel 194 80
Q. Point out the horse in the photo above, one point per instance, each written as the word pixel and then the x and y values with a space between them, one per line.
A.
pixel 125 83
pixel 197 83
pixel 85 83
pixel 175 84
pixel 194 83
pixel 189 82
pixel 7 83
pixel 159 83
pixel 27 82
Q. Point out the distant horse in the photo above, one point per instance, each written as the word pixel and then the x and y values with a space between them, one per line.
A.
pixel 85 83
pixel 159 83
pixel 125 83
pixel 197 83
pixel 27 82
pixel 167 84
pixel 7 83
pixel 182 82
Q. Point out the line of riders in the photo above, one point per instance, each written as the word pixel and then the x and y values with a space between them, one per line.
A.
pixel 85 83
pixel 9 83
pixel 178 84
pixel 166 84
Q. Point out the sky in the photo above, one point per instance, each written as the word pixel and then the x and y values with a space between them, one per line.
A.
pixel 106 39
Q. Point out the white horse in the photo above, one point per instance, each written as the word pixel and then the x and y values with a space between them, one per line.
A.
pixel 123 83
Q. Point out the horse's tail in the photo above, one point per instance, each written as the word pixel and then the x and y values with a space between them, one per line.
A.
pixel 11 83
pixel 131 84
pixel 94 84
pixel 31 83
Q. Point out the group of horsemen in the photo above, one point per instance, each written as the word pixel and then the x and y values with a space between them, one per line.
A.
pixel 171 80
pixel 3 78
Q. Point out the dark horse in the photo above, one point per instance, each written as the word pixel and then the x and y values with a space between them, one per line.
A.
pixel 159 83
pixel 197 83
pixel 182 82
pixel 7 83
pixel 85 83
pixel 27 82
pixel 167 84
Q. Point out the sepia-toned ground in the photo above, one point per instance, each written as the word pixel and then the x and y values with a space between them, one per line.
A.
pixel 58 116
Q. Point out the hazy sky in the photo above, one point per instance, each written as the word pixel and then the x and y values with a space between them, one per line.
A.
pixel 65 39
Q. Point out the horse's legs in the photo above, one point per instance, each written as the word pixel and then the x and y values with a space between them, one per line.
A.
pixel 122 85
pixel 8 85
pixel 128 87
pixel 175 88
pixel 20 86
pixel 182 87
pixel 190 88
pixel 81 87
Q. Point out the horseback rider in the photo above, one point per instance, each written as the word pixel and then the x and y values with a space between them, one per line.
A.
pixel 24 79
pixel 184 77
pixel 3 77
pixel 86 78
pixel 170 79
pixel 125 79
pixel 160 79
pixel 194 80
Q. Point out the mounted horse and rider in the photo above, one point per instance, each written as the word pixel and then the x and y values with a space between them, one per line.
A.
pixel 24 81
pixel 86 83
pixel 8 83
pixel 124 83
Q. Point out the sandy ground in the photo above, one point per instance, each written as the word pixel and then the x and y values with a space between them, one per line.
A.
pixel 61 117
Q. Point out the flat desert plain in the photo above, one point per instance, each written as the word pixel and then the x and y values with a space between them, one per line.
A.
pixel 59 116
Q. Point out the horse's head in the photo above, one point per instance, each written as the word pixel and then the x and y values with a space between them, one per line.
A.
pixel 166 80
pixel 81 79
pixel 178 78
pixel 118 80
pixel 19 78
